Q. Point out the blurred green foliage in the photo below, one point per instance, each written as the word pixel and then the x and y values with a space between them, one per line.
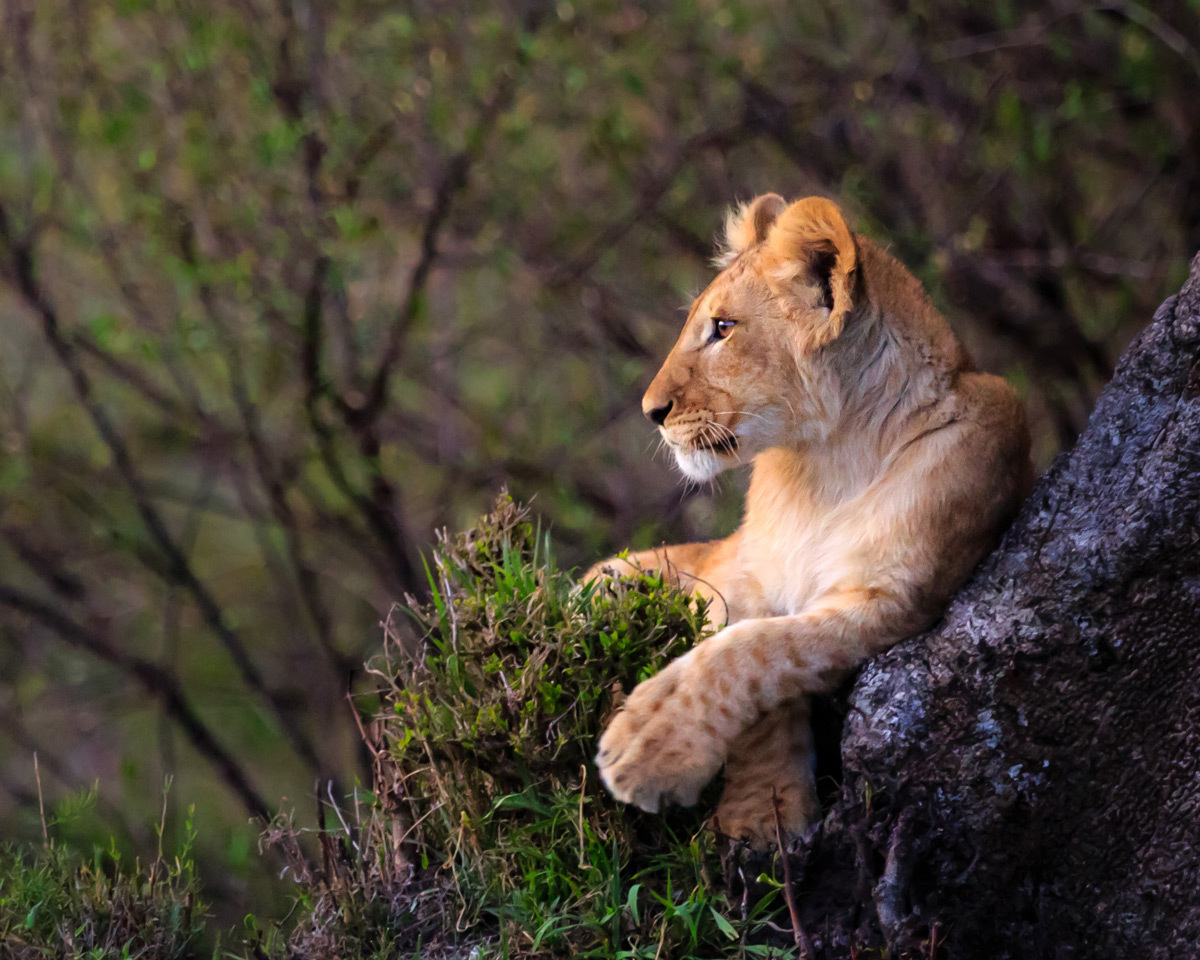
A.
pixel 285 286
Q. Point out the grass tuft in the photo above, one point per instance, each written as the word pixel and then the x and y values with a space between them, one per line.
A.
pixel 55 904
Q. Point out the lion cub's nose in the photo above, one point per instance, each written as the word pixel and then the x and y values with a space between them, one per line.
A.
pixel 658 415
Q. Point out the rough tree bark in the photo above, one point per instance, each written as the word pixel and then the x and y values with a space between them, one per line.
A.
pixel 1024 779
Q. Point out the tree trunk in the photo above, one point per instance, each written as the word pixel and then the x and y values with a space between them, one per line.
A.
pixel 1024 779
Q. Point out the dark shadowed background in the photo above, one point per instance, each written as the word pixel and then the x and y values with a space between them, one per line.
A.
pixel 285 286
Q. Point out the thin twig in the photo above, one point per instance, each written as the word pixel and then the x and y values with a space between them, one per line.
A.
pixel 582 792
pixel 803 944
pixel 375 752
pixel 37 773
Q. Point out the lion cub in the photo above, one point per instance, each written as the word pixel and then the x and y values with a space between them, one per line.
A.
pixel 885 467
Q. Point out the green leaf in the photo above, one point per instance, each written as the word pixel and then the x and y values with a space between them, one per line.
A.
pixel 724 925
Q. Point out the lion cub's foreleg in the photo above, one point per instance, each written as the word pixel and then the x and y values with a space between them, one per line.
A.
pixel 679 727
pixel 772 759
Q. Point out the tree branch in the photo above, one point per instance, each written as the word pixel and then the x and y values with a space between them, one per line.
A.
pixel 177 566
pixel 157 682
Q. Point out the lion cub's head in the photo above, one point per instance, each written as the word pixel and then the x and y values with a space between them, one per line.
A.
pixel 744 374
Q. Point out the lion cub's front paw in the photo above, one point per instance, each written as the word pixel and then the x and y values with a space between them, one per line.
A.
pixel 659 747
pixel 750 813
pixel 614 568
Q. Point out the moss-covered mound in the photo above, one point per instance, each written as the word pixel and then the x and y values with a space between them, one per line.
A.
pixel 487 833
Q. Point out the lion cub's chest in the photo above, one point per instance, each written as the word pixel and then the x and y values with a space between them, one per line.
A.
pixel 798 542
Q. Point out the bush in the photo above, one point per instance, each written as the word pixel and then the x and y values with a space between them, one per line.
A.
pixel 486 833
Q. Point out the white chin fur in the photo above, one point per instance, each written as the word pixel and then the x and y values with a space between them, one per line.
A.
pixel 699 465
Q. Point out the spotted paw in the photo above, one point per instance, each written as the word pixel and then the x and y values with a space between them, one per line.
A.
pixel 659 749
pixel 750 814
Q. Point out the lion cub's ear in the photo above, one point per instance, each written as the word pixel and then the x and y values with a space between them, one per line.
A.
pixel 811 241
pixel 748 224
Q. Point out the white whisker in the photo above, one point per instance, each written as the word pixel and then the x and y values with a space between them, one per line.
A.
pixel 739 413
pixel 734 447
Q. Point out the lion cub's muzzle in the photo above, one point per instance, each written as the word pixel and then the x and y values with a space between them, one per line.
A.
pixel 700 434
pixel 727 443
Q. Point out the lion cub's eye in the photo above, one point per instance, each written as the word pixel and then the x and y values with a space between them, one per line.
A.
pixel 721 328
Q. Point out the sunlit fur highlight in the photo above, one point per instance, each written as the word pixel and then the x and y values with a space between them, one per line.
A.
pixel 884 468
pixel 746 225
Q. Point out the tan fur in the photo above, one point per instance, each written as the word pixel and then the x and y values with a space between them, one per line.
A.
pixel 885 467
